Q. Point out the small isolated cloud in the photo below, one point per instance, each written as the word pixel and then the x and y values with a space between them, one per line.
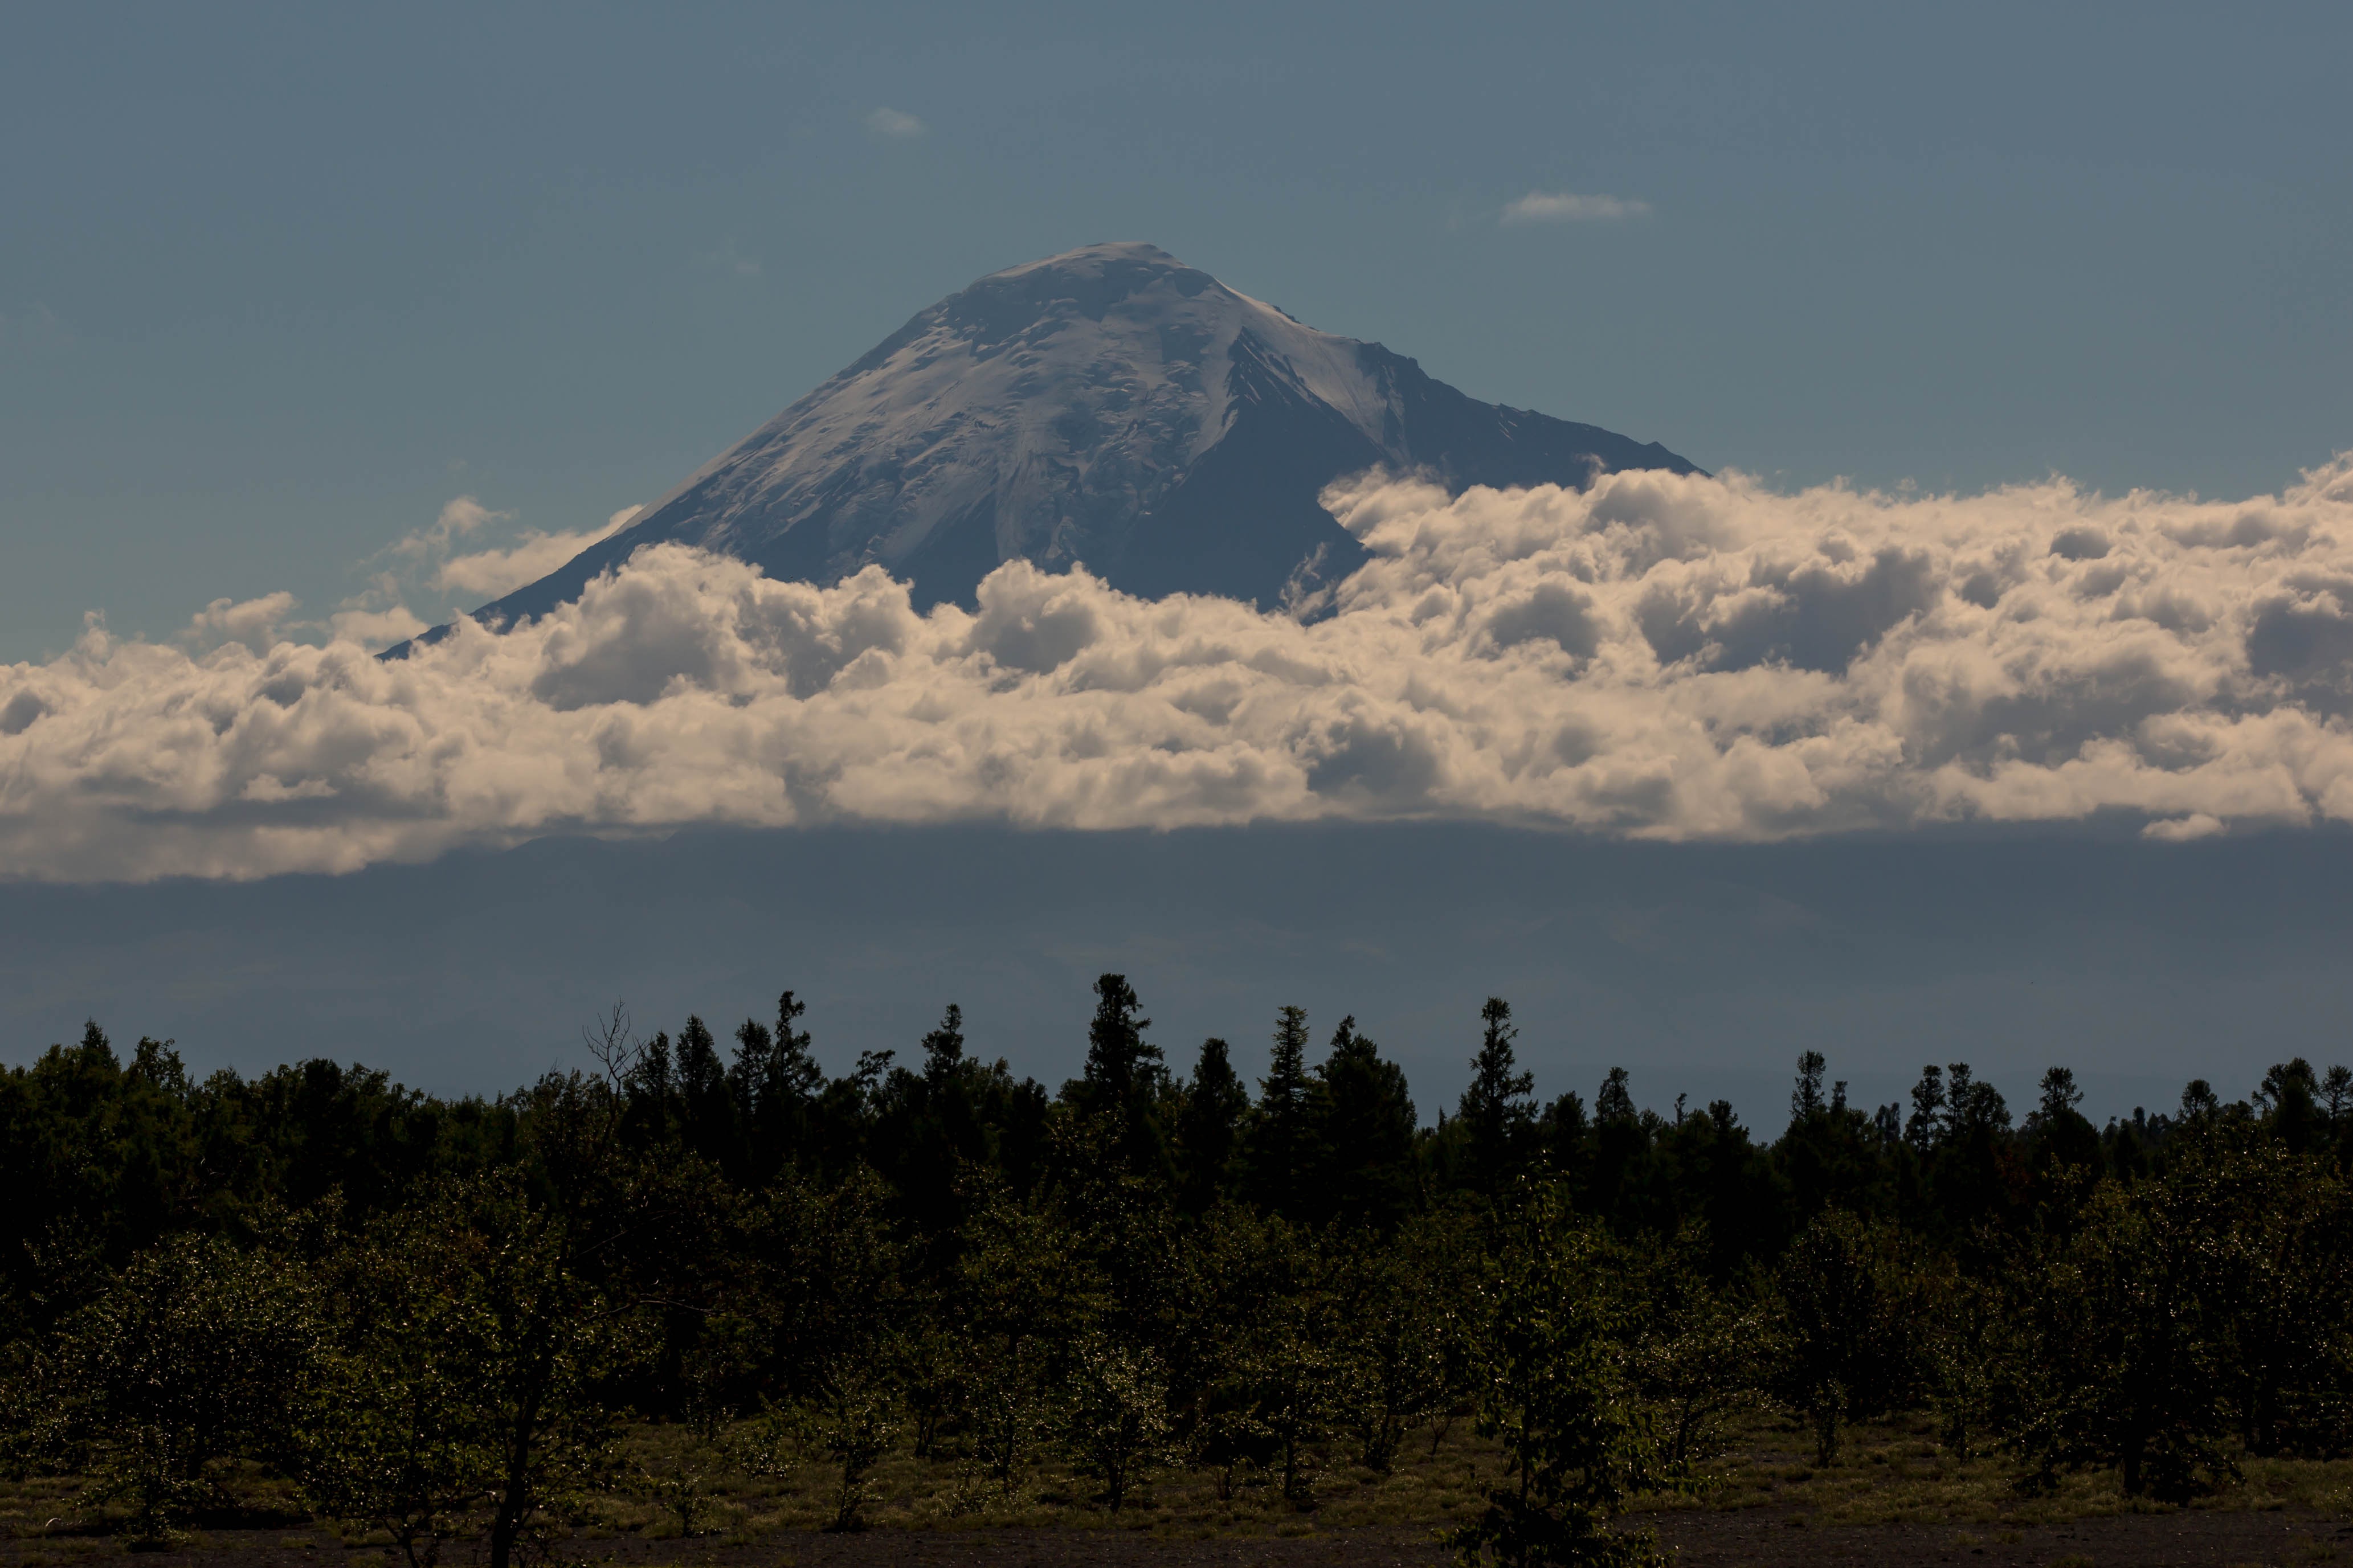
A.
pixel 1568 207
pixel 255 622
pixel 492 572
pixel 2182 829
pixel 459 518
pixel 896 124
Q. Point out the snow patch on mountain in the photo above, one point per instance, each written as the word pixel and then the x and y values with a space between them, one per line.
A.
pixel 1054 393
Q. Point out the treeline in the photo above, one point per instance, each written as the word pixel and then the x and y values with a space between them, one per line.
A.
pixel 431 1317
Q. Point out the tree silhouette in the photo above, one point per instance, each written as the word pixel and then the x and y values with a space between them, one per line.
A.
pixel 1498 1108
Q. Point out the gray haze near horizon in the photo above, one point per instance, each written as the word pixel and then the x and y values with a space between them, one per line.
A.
pixel 282 282
pixel 1705 970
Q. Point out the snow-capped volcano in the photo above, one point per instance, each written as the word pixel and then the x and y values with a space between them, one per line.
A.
pixel 1110 405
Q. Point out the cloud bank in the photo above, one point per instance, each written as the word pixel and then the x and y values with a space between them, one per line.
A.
pixel 1657 656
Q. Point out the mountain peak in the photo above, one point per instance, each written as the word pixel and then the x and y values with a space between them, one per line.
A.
pixel 1109 404
pixel 1125 264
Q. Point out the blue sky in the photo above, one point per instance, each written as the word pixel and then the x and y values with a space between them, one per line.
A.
pixel 281 282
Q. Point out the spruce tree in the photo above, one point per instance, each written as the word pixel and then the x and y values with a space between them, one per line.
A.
pixel 702 1090
pixel 773 1084
pixel 1806 1100
pixel 2060 1094
pixel 1365 1172
pixel 2288 1100
pixel 1927 1110
pixel 1620 1144
pixel 1124 1079
pixel 2337 1093
pixel 1282 1129
pixel 1615 1102
pixel 1120 1061
pixel 943 1046
pixel 1499 1107
pixel 793 1073
pixel 2063 1149
pixel 1208 1130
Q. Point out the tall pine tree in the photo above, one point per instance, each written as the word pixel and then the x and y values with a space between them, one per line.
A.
pixel 1366 1172
pixel 1282 1128
pixel 1208 1130
pixel 1498 1109
pixel 1124 1076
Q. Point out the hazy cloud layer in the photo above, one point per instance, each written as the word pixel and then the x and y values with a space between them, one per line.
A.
pixel 1658 656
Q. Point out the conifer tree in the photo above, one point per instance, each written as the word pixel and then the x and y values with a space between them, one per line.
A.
pixel 774 1084
pixel 2337 1093
pixel 1365 1169
pixel 1208 1130
pixel 1927 1110
pixel 1498 1109
pixel 703 1098
pixel 1619 1142
pixel 2059 1095
pixel 650 1084
pixel 943 1046
pixel 1615 1101
pixel 1125 1081
pixel 1121 1064
pixel 2288 1100
pixel 1565 1135
pixel 789 1077
pixel 1281 1128
pixel 2064 1148
pixel 1806 1099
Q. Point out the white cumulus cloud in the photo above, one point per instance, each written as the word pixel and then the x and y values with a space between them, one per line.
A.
pixel 896 124
pixel 1658 656
pixel 459 518
pixel 493 572
pixel 1568 207
pixel 254 622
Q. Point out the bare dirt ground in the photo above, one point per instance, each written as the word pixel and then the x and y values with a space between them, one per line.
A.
pixel 1895 1496
pixel 1766 1537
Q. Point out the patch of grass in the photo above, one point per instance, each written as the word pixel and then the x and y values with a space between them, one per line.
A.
pixel 1896 1472
pixel 951 1492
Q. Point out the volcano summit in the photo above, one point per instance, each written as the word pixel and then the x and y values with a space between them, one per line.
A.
pixel 1111 406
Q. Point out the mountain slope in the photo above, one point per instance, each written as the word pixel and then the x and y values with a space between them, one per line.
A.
pixel 1109 405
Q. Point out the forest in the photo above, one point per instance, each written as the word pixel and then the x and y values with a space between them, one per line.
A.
pixel 315 1295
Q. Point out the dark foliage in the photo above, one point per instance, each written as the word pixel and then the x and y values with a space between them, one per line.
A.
pixel 430 1315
